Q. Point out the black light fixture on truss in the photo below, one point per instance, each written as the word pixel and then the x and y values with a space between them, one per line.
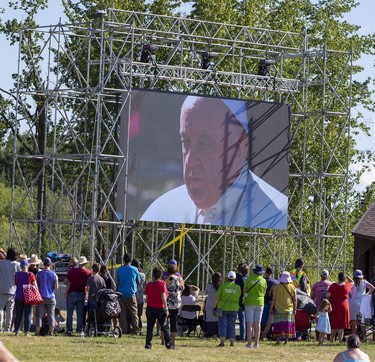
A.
pixel 147 52
pixel 264 66
pixel 207 57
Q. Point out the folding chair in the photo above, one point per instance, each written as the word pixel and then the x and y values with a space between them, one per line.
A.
pixel 364 327
pixel 188 325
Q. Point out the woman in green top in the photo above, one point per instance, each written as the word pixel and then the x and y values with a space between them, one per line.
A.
pixel 255 288
pixel 227 299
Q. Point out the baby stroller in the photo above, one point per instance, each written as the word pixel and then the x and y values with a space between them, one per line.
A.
pixel 101 318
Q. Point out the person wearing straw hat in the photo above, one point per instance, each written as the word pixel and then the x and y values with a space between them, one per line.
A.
pixel 8 268
pixel 219 188
pixel 34 261
pixel 76 280
pixel 255 288
pixel 283 308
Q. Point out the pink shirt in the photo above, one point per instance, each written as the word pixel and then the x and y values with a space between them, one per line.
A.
pixel 318 289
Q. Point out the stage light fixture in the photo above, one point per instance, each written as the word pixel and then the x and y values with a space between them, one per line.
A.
pixel 264 66
pixel 207 59
pixel 147 51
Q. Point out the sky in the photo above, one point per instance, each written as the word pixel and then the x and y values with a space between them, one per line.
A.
pixel 363 15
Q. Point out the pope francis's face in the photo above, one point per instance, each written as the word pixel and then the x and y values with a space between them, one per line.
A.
pixel 214 149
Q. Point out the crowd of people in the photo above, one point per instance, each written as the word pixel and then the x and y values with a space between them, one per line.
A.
pixel 265 307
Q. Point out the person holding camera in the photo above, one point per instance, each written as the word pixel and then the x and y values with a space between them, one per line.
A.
pixel 338 295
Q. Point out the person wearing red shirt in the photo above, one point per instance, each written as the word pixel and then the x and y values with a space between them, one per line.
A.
pixel 76 283
pixel 156 299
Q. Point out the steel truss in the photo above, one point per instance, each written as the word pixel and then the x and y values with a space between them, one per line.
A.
pixel 65 185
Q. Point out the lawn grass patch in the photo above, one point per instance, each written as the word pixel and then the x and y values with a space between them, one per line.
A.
pixel 131 348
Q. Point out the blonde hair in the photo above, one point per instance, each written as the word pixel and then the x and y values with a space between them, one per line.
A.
pixel 323 303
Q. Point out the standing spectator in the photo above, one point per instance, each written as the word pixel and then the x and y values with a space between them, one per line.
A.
pixel 164 277
pixel 338 294
pixel 299 277
pixel 156 299
pixel 228 298
pixel 34 261
pixel 283 308
pixel 267 316
pixel 255 288
pixel 359 289
pixel 128 279
pixel 174 288
pixel 165 273
pixel 76 280
pixel 241 276
pixel 109 283
pixel 319 290
pixel 8 268
pixel 210 322
pixel 47 284
pixel 23 310
pixel 72 264
pixel 140 292
pixel 94 283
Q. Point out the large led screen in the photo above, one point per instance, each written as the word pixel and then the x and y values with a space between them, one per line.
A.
pixel 204 160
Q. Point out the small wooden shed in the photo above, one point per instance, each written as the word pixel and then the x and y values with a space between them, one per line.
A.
pixel 364 242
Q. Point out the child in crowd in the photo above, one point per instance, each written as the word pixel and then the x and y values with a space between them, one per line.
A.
pixel 323 326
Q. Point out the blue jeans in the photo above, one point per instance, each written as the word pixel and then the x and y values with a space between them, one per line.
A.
pixel 22 309
pixel 242 321
pixel 74 300
pixel 91 305
pixel 227 324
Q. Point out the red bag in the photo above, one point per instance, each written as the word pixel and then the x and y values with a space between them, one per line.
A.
pixel 31 294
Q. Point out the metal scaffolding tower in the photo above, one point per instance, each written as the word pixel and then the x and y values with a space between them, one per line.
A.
pixel 67 156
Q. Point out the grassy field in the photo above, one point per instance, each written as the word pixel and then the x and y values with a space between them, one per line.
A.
pixel 131 348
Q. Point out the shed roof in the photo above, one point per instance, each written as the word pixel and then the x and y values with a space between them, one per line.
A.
pixel 365 227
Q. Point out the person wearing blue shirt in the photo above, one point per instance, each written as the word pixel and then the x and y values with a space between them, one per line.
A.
pixel 47 283
pixel 127 280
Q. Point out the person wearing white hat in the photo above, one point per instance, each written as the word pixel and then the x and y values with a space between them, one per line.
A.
pixel 75 281
pixel 283 307
pixel 34 261
pixel 319 289
pixel 227 299
pixel 219 187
